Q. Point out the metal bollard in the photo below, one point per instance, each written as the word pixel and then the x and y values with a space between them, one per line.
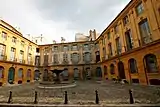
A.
pixel 65 98
pixel 35 100
pixel 131 97
pixel 97 98
pixel 10 97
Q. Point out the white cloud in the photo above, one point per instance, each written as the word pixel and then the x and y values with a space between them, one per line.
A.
pixel 57 18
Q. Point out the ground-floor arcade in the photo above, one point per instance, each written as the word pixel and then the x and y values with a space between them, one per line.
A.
pixel 79 72
pixel 13 73
pixel 140 65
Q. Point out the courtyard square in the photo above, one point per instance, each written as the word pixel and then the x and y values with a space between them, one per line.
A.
pixel 83 93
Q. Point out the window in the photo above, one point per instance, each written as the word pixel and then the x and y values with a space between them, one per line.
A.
pixel 112 71
pixel 30 47
pixel 118 46
pixel 20 73
pixel 55 48
pixel 14 39
pixel 29 58
pixel 45 60
pixel 74 48
pixel 28 73
pixel 104 52
pixel 75 57
pixel 96 46
pixel 4 35
pixel 37 61
pixel 86 47
pixel 65 58
pixel 21 56
pixel 87 57
pixel 76 73
pixel 129 40
pixel 145 32
pixel 55 58
pixel 151 63
pixel 22 43
pixel 105 71
pixel 1 72
pixel 108 35
pixel 13 53
pixel 125 20
pixel 103 41
pixel 88 73
pixel 110 49
pixel 2 51
pixel 139 9
pixel 133 66
pixel 97 56
pixel 65 48
pixel 116 29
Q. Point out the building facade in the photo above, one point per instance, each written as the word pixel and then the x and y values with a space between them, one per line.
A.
pixel 129 48
pixel 130 45
pixel 17 56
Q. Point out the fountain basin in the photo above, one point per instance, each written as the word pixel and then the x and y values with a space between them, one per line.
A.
pixel 64 84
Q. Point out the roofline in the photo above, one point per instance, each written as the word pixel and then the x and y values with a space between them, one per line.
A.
pixel 115 19
pixel 72 42
pixel 65 43
pixel 17 32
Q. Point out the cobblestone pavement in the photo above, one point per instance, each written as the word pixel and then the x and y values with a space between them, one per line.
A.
pixel 83 93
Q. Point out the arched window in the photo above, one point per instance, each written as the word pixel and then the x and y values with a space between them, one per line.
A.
pixel 112 70
pixel 75 58
pixel 87 57
pixel 76 73
pixel 29 73
pixel 151 63
pixel 133 65
pixel 98 72
pixel 20 73
pixel 65 72
pixel 1 72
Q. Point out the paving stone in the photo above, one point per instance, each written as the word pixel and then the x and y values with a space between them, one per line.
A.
pixel 83 93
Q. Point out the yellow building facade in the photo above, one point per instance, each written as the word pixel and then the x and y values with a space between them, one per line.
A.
pixel 129 49
pixel 130 45
pixel 17 55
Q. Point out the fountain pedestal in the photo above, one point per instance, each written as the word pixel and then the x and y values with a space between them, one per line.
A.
pixel 56 83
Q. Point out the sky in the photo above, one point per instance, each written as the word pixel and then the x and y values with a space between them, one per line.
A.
pixel 60 18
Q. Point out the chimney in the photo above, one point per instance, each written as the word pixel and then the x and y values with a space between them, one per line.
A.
pixel 90 33
pixel 94 32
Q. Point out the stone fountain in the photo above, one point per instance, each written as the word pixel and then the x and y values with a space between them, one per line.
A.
pixel 55 81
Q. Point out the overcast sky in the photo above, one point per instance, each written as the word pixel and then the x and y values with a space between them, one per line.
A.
pixel 60 18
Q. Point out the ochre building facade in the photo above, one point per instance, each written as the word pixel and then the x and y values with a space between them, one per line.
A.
pixel 129 48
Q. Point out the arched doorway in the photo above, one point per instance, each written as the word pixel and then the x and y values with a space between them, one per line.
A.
pixel 151 66
pixel 121 70
pixel 76 74
pixel 105 72
pixel 133 66
pixel 98 72
pixel 1 75
pixel 133 70
pixel 20 75
pixel 112 70
pixel 151 63
pixel 65 74
pixel 11 75
pixel 88 73
pixel 28 75
pixel 45 75
pixel 36 75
